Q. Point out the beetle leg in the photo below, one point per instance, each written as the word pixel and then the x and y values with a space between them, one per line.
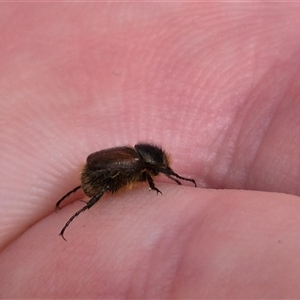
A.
pixel 89 204
pixel 66 195
pixel 151 184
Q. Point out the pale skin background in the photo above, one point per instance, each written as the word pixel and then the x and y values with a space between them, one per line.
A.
pixel 217 85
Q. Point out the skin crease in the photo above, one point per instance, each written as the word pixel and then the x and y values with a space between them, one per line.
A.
pixel 216 84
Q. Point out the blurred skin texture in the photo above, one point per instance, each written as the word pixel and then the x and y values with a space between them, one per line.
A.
pixel 215 84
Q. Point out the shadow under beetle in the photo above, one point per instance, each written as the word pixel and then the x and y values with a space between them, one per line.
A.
pixel 111 169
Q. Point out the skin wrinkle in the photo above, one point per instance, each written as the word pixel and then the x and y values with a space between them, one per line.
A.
pixel 169 248
pixel 257 151
pixel 277 112
pixel 187 232
pixel 243 125
pixel 256 145
pixel 195 229
pixel 170 251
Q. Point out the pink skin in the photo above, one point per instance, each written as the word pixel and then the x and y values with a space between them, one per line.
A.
pixel 217 85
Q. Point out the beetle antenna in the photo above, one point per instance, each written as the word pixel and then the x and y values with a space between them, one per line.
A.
pixel 172 173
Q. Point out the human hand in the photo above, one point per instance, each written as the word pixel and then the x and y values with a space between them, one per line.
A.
pixel 216 85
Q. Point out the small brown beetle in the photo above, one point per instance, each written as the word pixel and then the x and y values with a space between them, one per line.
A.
pixel 111 169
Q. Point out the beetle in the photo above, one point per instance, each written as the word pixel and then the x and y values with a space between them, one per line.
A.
pixel 112 169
